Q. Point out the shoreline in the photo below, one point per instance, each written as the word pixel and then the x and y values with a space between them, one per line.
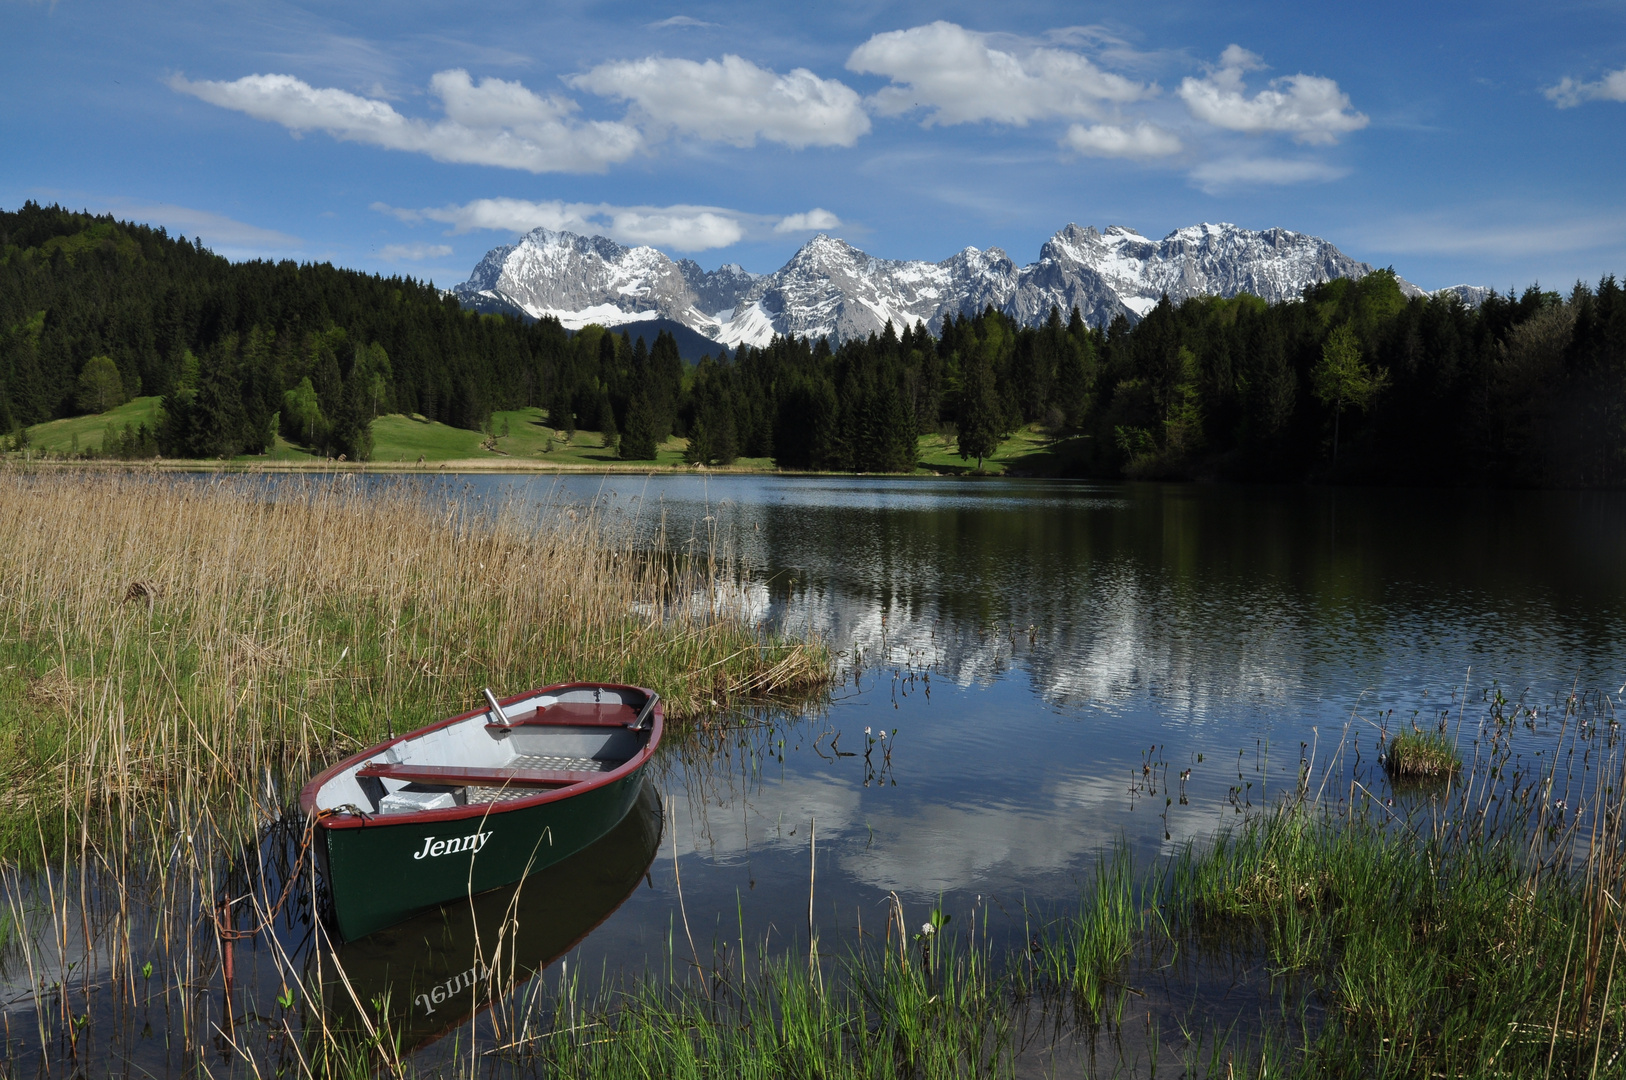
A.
pixel 476 465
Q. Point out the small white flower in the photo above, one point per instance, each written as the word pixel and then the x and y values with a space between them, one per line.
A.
pixel 928 928
pixel 866 731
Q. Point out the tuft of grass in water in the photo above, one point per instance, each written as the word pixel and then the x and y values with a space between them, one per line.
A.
pixel 883 1014
pixel 1083 956
pixel 160 633
pixel 1421 755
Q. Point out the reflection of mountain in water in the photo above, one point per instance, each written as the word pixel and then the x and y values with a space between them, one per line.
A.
pixel 1203 599
pixel 437 969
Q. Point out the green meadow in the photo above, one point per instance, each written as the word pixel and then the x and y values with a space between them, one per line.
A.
pixel 523 438
pixel 78 434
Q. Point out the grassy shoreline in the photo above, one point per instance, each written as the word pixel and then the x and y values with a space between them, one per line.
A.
pixel 414 444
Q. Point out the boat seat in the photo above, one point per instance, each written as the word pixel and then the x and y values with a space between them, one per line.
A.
pixel 473 776
pixel 576 714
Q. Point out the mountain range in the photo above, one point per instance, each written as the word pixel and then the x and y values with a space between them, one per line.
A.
pixel 831 289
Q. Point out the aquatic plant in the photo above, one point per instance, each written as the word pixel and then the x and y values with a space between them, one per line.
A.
pixel 1421 755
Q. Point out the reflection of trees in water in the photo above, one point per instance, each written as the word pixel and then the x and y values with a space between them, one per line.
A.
pixel 1194 596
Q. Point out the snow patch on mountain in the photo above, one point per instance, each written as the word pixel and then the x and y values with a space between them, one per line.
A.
pixel 831 289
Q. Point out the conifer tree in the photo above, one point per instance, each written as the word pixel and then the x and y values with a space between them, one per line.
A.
pixel 642 437
pixel 979 417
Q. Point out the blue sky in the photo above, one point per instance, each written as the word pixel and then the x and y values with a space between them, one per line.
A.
pixel 1458 142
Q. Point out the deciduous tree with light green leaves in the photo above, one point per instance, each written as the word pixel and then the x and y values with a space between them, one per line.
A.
pixel 100 385
pixel 1342 378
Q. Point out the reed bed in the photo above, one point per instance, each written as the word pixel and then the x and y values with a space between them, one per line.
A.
pixel 159 632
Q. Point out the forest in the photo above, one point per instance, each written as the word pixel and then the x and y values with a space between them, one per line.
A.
pixel 1354 382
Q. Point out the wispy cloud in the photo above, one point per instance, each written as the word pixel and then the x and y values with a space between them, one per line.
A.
pixel 413 252
pixel 733 100
pixel 960 76
pixel 1570 93
pixel 216 230
pixel 1215 176
pixel 1518 235
pixel 678 228
pixel 1310 108
pixel 492 122
pixel 678 22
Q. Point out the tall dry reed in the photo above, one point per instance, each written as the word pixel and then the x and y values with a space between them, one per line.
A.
pixel 158 631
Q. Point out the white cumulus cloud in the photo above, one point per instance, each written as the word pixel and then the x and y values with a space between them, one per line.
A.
pixel 681 228
pixel 814 220
pixel 1236 172
pixel 1569 93
pixel 733 100
pixel 413 252
pixel 1141 140
pixel 492 122
pixel 961 77
pixel 1309 107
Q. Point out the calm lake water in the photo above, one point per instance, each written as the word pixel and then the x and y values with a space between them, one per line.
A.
pixel 1046 660
pixel 1052 656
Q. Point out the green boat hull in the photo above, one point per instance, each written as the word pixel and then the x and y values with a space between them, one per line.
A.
pixel 430 973
pixel 392 867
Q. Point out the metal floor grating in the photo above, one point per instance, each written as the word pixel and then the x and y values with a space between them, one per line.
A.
pixel 480 795
pixel 559 761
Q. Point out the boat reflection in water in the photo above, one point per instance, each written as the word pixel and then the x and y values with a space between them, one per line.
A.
pixel 421 978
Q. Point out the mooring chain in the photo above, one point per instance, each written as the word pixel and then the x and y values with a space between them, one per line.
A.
pixel 223 907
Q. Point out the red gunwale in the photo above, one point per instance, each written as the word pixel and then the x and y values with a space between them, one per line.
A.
pixel 307 794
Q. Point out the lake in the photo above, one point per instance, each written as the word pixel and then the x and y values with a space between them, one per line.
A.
pixel 1057 668
pixel 1037 644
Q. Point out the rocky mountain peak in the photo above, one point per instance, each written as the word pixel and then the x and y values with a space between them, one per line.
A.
pixel 829 288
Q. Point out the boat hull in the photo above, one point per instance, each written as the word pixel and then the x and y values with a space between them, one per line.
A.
pixel 396 867
pixel 430 973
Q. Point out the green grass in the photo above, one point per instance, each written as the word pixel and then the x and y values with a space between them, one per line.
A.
pixel 532 441
pixel 78 434
pixel 1421 755
pixel 939 453
pixel 883 1011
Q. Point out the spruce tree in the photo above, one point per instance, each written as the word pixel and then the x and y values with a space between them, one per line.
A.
pixel 641 439
pixel 979 419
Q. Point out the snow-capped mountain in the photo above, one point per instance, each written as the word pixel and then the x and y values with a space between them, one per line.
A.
pixel 830 288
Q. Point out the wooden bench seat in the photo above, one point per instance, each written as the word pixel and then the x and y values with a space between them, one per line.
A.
pixel 576 714
pixel 471 776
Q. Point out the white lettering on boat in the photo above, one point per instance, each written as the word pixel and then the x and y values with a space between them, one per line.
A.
pixel 433 849
pixel 443 992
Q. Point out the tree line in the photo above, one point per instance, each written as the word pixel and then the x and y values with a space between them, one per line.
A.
pixel 1354 381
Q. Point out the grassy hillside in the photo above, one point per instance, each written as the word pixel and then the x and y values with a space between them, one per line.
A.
pixel 77 434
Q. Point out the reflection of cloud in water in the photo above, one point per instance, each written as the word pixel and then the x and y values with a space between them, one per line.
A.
pixel 1121 638
pixel 919 849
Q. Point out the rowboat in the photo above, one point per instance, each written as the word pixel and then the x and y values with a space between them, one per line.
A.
pixel 430 973
pixel 477 801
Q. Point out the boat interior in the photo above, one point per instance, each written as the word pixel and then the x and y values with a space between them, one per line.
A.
pixel 543 742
